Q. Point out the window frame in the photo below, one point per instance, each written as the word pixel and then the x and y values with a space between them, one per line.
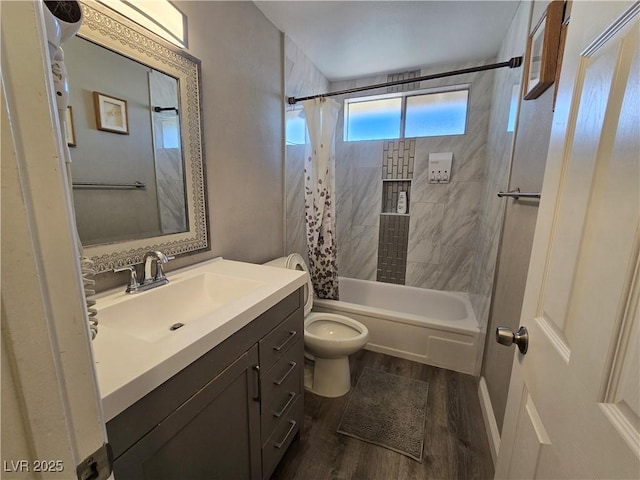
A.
pixel 403 108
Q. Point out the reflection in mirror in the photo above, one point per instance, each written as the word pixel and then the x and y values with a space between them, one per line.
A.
pixel 165 118
pixel 150 154
pixel 142 138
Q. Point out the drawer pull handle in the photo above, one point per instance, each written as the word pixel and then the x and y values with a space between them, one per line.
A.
pixel 291 428
pixel 279 382
pixel 256 369
pixel 292 334
pixel 292 395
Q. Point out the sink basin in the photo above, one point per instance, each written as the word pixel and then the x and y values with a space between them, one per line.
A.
pixel 136 350
pixel 157 314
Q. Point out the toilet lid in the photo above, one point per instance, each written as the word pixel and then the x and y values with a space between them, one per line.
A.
pixel 296 262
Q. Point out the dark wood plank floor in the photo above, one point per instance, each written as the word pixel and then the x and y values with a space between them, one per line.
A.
pixel 455 447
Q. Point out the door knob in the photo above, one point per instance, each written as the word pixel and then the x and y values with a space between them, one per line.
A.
pixel 505 336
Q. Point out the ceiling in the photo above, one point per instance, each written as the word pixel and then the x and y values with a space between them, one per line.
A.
pixel 350 39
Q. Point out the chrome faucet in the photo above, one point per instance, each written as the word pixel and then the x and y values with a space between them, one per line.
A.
pixel 160 259
pixel 148 281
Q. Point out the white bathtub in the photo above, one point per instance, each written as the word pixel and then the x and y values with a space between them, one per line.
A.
pixel 427 326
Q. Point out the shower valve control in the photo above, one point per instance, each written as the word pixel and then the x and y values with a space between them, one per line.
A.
pixel 440 167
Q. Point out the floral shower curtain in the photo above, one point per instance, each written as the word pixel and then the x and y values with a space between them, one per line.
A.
pixel 319 188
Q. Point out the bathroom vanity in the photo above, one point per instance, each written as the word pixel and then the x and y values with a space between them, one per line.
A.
pixel 223 395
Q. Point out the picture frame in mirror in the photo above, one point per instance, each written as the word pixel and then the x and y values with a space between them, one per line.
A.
pixel 111 113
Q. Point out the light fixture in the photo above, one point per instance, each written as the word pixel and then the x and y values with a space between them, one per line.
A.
pixel 159 16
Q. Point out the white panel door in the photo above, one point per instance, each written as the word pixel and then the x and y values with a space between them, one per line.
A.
pixel 573 409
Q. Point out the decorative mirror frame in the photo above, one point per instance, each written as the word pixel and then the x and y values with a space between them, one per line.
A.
pixel 111 30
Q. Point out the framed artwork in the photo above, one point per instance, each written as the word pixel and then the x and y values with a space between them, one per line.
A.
pixel 71 132
pixel 111 113
pixel 542 51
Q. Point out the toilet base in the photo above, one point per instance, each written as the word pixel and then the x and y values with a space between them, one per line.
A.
pixel 331 377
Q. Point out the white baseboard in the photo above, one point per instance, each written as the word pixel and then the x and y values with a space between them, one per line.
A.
pixel 493 434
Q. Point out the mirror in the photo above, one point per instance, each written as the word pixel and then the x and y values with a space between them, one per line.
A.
pixel 127 165
pixel 135 142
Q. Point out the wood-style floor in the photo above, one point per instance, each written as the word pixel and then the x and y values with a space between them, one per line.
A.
pixel 455 445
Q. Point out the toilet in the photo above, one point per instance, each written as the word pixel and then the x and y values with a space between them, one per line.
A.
pixel 329 339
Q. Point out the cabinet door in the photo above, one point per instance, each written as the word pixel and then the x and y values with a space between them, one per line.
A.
pixel 213 435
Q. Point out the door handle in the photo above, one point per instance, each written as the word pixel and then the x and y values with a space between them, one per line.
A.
pixel 505 336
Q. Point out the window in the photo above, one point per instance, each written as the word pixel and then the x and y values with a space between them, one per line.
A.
pixel 295 126
pixel 408 114
pixel 513 107
pixel 170 132
pixel 374 119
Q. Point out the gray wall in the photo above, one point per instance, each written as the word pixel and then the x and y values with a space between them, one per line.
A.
pixel 242 94
pixel 527 172
pixel 499 151
pixel 242 109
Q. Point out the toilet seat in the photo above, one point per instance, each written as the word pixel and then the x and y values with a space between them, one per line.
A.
pixel 331 329
pixel 347 328
pixel 329 335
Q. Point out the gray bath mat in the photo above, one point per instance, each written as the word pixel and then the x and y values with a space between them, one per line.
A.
pixel 389 411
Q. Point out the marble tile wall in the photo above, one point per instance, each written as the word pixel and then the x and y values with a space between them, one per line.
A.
pixel 163 91
pixel 444 224
pixel 444 220
pixel 499 151
pixel 302 78
pixel 358 204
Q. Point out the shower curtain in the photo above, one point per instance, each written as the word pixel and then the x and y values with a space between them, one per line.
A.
pixel 319 188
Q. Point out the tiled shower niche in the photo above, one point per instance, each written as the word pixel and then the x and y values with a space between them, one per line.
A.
pixel 390 191
pixel 398 158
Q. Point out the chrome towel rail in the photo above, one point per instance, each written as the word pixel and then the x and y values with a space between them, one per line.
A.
pixel 134 185
pixel 517 194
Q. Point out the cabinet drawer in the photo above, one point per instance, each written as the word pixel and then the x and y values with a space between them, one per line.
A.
pixel 281 386
pixel 281 438
pixel 277 342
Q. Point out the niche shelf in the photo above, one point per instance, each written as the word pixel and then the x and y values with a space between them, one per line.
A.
pixel 390 189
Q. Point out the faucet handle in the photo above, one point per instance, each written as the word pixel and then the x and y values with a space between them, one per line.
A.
pixel 157 255
pixel 133 285
pixel 159 269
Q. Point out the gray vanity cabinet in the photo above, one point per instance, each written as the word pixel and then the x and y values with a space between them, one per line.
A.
pixel 210 436
pixel 231 414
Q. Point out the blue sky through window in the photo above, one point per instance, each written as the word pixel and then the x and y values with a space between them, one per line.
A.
pixel 374 119
pixel 427 114
pixel 295 127
pixel 513 108
pixel 436 114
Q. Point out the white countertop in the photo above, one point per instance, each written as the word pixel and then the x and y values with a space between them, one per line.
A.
pixel 129 367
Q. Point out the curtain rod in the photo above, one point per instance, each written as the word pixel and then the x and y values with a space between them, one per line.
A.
pixel 514 62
